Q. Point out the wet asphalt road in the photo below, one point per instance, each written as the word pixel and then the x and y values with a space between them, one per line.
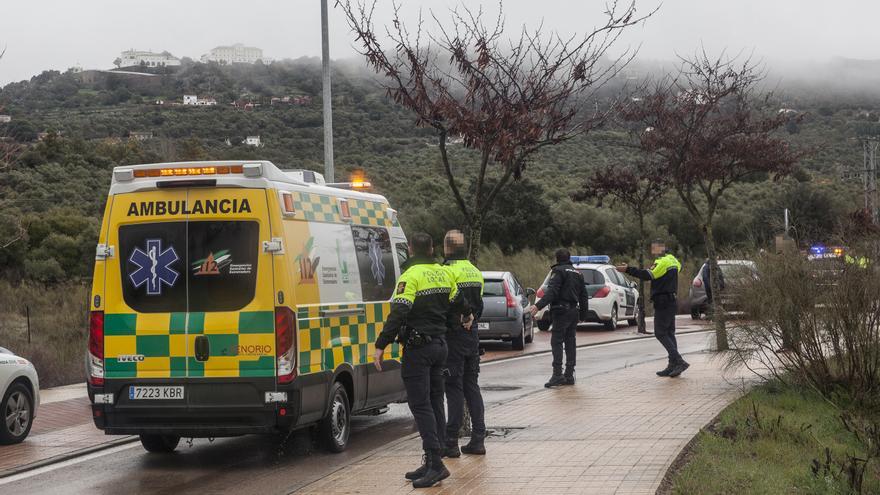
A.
pixel 266 464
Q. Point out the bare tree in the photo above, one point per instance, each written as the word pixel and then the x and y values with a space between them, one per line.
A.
pixel 637 187
pixel 707 129
pixel 505 98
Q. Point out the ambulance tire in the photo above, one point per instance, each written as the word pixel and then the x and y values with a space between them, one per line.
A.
pixel 335 428
pixel 160 444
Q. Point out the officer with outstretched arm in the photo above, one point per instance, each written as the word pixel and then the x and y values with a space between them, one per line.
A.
pixel 567 297
pixel 463 361
pixel 663 276
pixel 420 310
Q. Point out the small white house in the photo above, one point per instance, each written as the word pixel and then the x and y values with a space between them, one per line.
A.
pixel 253 141
pixel 190 99
pixel 201 102
pixel 5 118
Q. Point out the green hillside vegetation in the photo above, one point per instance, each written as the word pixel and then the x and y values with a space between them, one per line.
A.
pixel 57 189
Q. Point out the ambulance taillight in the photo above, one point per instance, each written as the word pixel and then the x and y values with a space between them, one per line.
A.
pixel 96 348
pixel 285 332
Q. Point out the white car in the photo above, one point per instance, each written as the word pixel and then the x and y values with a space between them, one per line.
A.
pixel 613 297
pixel 21 395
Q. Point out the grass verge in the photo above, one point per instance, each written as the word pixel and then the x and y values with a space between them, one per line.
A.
pixel 774 440
pixel 58 328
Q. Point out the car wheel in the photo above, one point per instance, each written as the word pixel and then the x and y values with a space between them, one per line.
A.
pixel 543 325
pixel 531 336
pixel 611 324
pixel 18 414
pixel 335 428
pixel 635 319
pixel 160 444
pixel 518 343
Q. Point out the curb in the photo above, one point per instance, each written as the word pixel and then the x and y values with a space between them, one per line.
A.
pixel 66 457
pixel 592 344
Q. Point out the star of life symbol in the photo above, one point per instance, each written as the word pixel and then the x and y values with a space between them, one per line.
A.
pixel 154 267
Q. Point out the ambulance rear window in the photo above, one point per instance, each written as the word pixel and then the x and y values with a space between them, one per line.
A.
pixel 198 266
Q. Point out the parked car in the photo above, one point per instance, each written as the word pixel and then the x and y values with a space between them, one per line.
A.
pixel 734 273
pixel 505 310
pixel 21 395
pixel 612 296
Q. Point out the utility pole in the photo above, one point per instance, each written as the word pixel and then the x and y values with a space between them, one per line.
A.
pixel 328 110
pixel 869 148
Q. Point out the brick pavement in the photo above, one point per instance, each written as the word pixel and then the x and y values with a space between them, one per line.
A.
pixel 61 428
pixel 613 433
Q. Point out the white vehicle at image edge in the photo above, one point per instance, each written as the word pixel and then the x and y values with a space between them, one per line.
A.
pixel 20 390
pixel 613 297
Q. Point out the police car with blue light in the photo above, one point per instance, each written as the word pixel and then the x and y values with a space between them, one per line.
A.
pixel 613 297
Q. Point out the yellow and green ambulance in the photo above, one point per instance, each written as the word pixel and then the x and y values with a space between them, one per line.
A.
pixel 236 297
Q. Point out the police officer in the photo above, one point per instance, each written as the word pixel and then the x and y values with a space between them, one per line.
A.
pixel 420 310
pixel 567 297
pixel 663 276
pixel 463 361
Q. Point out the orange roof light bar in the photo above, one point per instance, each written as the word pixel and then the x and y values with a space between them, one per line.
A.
pixel 177 172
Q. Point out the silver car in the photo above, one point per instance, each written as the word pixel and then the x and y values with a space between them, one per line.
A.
pixel 733 273
pixel 505 316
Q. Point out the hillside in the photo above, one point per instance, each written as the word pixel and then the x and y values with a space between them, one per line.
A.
pixel 86 120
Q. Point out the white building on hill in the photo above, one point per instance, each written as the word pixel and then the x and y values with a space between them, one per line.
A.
pixel 253 141
pixel 235 54
pixel 134 58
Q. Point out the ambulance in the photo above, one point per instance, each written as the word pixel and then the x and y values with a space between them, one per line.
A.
pixel 236 297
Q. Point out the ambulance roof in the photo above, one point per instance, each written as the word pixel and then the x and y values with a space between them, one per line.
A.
pixel 259 174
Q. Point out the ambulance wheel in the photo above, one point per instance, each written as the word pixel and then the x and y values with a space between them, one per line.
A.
pixel 336 426
pixel 160 444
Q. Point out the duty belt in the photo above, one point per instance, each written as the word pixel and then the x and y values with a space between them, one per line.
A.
pixel 414 338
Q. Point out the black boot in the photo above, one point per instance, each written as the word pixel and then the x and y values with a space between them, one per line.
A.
pixel 452 450
pixel 678 369
pixel 475 446
pixel 555 381
pixel 569 376
pixel 436 472
pixel 418 473
pixel 666 371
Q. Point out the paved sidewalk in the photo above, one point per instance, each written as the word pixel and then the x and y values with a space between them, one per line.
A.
pixel 615 433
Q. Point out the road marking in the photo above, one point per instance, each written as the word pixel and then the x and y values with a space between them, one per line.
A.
pixel 63 464
pixel 585 347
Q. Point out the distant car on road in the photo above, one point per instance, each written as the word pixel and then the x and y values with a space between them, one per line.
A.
pixel 505 316
pixel 20 389
pixel 734 273
pixel 612 296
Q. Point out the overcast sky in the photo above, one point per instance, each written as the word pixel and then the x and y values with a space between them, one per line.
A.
pixel 57 34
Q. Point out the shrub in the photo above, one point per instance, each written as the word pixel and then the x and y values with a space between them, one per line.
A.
pixel 825 316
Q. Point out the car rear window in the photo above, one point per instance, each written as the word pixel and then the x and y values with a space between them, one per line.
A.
pixel 493 288
pixel 197 266
pixel 592 277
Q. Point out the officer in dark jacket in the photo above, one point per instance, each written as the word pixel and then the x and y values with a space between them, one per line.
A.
pixel 420 311
pixel 567 297
pixel 663 276
pixel 463 362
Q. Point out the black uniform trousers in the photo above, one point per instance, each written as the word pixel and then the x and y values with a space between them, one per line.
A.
pixel 421 368
pixel 564 330
pixel 462 387
pixel 664 325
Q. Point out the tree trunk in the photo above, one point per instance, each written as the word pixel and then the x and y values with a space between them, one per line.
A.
pixel 641 303
pixel 718 315
pixel 475 233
